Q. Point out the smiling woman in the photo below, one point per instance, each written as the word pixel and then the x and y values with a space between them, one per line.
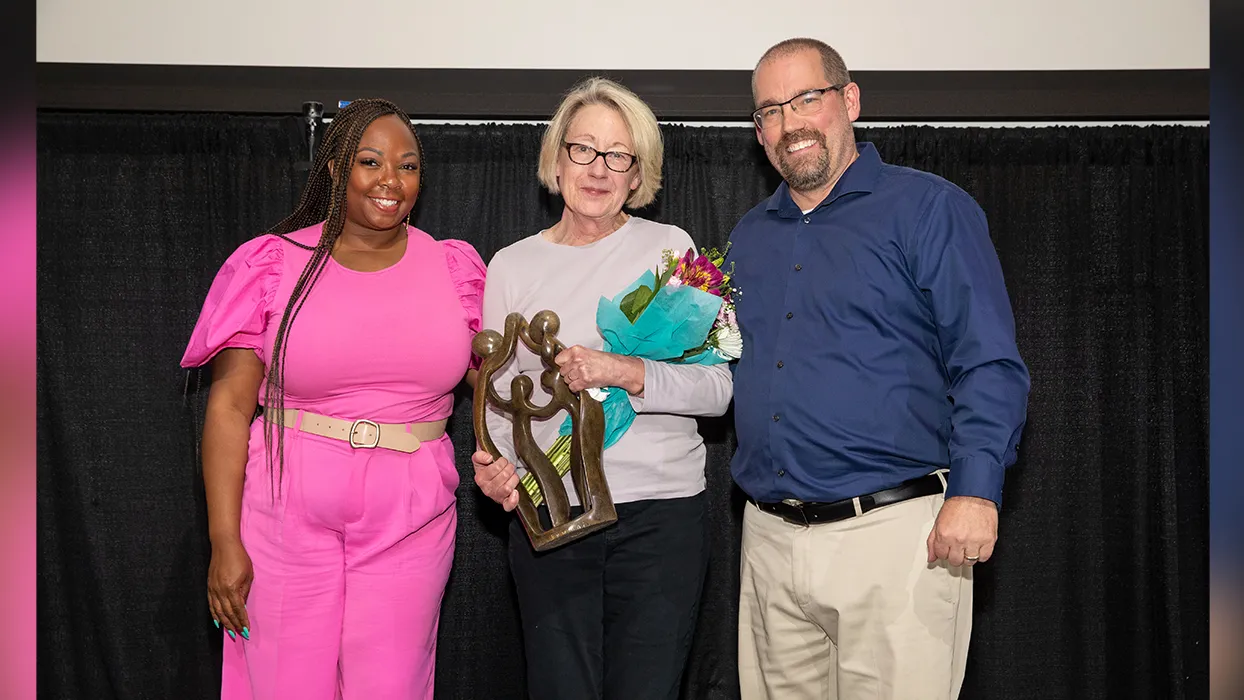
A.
pixel 383 186
pixel 332 520
pixel 612 614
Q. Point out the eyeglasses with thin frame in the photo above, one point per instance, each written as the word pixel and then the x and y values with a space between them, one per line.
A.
pixel 583 154
pixel 805 104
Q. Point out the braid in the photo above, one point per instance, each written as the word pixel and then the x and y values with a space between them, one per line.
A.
pixel 323 199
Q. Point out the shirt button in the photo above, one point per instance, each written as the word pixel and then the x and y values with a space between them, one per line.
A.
pixel 789 315
pixel 807 219
pixel 776 417
pixel 798 267
pixel 779 364
pixel 781 472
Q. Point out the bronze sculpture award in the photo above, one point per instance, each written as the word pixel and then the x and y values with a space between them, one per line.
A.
pixel 587 435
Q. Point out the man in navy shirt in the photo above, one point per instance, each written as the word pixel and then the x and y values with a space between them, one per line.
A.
pixel 879 399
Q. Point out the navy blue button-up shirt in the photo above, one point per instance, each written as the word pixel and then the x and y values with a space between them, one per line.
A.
pixel 878 341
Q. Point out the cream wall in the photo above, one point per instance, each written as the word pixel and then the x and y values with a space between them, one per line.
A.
pixel 637 34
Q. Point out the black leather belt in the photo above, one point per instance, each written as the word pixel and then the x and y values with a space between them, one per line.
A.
pixel 813 513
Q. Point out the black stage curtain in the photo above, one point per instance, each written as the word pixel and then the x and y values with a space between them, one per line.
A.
pixel 1098 586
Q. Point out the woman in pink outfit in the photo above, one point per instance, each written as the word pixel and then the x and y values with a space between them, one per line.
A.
pixel 332 518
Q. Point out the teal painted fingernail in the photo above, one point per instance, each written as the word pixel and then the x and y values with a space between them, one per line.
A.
pixel 217 623
pixel 232 636
pixel 246 633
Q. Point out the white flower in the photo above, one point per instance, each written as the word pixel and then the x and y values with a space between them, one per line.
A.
pixel 728 342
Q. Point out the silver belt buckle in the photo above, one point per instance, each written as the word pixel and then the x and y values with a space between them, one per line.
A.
pixel 797 505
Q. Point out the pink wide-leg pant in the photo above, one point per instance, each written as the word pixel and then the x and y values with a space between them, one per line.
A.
pixel 350 565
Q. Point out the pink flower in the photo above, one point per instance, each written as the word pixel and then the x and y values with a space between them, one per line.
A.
pixel 699 272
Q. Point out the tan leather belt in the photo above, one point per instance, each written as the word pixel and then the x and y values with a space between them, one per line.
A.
pixel 363 433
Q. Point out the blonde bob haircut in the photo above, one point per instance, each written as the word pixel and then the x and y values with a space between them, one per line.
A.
pixel 640 122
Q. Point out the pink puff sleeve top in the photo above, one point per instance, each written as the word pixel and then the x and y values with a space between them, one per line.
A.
pixel 388 346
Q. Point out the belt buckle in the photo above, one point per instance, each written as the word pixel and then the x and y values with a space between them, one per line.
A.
pixel 354 428
pixel 798 506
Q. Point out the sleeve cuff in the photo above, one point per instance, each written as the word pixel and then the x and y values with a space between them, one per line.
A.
pixel 652 385
pixel 971 476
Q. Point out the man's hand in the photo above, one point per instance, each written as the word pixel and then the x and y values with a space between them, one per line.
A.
pixel 965 531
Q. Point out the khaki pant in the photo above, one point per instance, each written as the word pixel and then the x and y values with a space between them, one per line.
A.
pixel 851 610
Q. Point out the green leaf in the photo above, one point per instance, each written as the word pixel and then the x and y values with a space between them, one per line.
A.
pixel 688 354
pixel 664 277
pixel 633 304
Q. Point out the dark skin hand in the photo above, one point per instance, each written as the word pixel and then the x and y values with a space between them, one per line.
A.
pixel 236 376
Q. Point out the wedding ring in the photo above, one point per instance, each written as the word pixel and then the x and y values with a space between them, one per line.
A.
pixel 975 558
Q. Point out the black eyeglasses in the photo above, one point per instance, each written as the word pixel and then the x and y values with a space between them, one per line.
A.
pixel 582 154
pixel 804 104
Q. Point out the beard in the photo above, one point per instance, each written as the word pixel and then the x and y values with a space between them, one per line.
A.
pixel 801 173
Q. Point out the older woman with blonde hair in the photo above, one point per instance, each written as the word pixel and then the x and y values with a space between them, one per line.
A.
pixel 610 615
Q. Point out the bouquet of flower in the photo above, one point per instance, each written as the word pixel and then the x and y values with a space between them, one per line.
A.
pixel 682 312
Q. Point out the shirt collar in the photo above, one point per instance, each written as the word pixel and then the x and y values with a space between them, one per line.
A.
pixel 859 177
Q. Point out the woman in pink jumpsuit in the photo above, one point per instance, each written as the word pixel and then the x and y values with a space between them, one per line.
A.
pixel 332 542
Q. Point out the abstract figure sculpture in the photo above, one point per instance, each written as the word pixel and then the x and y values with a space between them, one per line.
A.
pixel 587 434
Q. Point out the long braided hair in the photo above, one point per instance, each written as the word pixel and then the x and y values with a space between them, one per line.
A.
pixel 323 199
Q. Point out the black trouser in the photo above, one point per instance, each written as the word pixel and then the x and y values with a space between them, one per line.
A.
pixel 611 616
